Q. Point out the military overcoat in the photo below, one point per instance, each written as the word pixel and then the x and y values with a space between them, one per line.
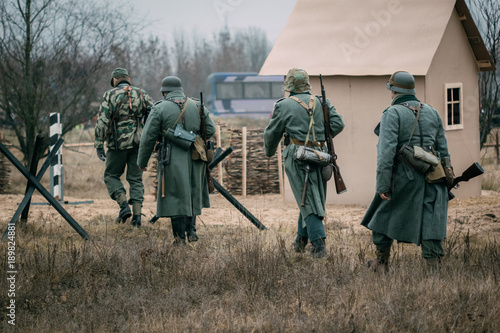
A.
pixel 290 117
pixel 417 210
pixel 186 190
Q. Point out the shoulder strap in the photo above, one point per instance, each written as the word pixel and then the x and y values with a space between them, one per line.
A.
pixel 417 118
pixel 127 88
pixel 310 111
pixel 182 110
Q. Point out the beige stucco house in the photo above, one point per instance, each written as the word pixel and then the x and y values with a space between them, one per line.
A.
pixel 357 44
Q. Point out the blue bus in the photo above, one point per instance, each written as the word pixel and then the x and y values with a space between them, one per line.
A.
pixel 245 94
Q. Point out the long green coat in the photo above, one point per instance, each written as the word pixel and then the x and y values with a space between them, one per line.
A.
pixel 186 190
pixel 417 210
pixel 289 116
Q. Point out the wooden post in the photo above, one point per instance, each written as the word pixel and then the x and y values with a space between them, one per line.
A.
pixel 219 143
pixel 280 169
pixel 244 162
pixel 496 148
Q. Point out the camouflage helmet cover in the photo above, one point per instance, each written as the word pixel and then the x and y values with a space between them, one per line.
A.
pixel 171 83
pixel 118 72
pixel 297 81
pixel 402 82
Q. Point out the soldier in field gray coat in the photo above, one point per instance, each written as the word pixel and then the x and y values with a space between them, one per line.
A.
pixel 291 116
pixel 183 180
pixel 406 207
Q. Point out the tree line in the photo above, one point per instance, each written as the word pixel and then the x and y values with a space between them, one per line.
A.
pixel 58 55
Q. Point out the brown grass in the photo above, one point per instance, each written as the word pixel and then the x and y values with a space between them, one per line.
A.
pixel 236 278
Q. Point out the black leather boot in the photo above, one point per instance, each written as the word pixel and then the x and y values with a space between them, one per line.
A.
pixel 318 249
pixel 382 260
pixel 179 230
pixel 191 229
pixel 136 221
pixel 299 245
pixel 124 213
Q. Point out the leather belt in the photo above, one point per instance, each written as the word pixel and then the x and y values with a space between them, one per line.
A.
pixel 309 144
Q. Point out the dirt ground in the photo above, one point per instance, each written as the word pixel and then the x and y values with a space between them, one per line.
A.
pixel 479 216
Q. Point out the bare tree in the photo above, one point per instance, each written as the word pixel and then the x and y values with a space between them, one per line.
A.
pixel 487 15
pixel 51 55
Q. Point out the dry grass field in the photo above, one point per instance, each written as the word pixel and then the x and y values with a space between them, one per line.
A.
pixel 237 278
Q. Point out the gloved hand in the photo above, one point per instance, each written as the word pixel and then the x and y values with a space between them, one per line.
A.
pixel 448 171
pixel 101 154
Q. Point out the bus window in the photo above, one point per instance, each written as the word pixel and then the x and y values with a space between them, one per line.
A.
pixel 276 91
pixel 259 90
pixel 229 90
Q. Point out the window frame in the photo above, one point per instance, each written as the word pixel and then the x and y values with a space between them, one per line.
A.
pixel 461 105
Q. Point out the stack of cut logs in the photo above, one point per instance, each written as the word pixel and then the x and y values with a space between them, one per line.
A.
pixel 4 173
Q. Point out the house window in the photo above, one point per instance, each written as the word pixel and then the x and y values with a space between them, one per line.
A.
pixel 453 106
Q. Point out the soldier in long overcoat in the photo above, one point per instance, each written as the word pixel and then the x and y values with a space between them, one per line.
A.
pixel 292 118
pixel 119 124
pixel 185 184
pixel 406 207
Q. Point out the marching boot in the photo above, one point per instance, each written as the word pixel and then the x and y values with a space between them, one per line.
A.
pixel 382 260
pixel 191 229
pixel 299 245
pixel 319 249
pixel 136 210
pixel 125 211
pixel 433 265
pixel 179 230
pixel 136 221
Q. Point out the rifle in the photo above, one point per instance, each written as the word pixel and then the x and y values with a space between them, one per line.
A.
pixel 208 145
pixel 163 159
pixel 339 181
pixel 472 171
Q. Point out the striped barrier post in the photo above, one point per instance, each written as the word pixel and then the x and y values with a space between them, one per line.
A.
pixel 56 168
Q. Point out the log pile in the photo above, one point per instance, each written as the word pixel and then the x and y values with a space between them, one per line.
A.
pixel 4 173
pixel 262 171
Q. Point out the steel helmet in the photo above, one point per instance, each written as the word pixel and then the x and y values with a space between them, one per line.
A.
pixel 171 83
pixel 402 82
pixel 297 81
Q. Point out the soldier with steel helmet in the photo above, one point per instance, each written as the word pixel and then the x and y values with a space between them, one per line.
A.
pixel 119 124
pixel 300 118
pixel 182 187
pixel 409 206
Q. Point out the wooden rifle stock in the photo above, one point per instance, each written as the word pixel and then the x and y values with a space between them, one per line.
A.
pixel 339 181
pixel 472 171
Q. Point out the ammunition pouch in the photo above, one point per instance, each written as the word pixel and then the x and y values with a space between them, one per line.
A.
pixel 310 155
pixel 180 137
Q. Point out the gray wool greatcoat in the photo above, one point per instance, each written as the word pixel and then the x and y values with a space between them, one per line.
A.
pixel 186 190
pixel 417 210
pixel 289 116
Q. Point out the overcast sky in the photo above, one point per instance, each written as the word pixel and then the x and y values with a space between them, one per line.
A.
pixel 208 16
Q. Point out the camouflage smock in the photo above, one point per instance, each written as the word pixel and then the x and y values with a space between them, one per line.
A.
pixel 289 116
pixel 186 189
pixel 128 118
pixel 417 210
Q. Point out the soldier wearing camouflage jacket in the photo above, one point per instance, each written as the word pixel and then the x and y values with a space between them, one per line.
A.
pixel 292 118
pixel 120 125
